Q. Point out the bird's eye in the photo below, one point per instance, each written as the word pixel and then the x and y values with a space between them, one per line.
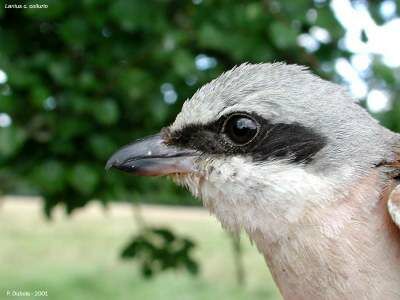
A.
pixel 240 129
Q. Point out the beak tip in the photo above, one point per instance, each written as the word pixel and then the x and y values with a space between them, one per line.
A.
pixel 109 164
pixel 117 164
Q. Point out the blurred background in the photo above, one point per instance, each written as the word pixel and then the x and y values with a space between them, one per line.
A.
pixel 78 79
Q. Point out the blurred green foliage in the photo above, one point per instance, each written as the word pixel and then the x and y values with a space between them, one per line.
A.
pixel 159 249
pixel 85 77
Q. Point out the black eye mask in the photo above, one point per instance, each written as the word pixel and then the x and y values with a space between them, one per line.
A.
pixel 280 140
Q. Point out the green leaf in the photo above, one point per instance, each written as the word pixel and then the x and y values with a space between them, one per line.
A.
pixel 75 32
pixel 158 250
pixel 102 146
pixel 166 234
pixel 61 72
pixel 84 178
pixel 283 35
pixel 49 177
pixel 106 112
pixel 11 140
pixel 382 71
pixel 135 14
pixel 39 96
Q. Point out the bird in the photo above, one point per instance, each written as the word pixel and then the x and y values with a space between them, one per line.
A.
pixel 299 165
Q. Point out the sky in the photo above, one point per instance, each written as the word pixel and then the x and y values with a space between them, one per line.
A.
pixel 382 40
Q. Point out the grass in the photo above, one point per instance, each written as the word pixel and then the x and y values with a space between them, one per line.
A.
pixel 77 257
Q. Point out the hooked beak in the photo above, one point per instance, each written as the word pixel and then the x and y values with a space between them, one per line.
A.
pixel 152 157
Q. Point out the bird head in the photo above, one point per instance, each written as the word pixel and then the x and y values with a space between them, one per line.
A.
pixel 262 145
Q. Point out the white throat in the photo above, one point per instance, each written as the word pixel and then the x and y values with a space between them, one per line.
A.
pixel 331 245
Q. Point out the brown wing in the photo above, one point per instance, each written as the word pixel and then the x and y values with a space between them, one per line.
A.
pixel 392 168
